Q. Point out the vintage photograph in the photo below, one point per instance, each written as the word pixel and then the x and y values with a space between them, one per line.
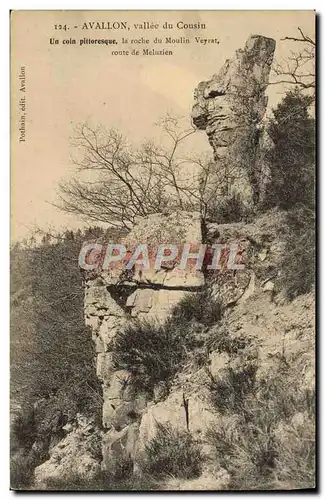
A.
pixel 162 295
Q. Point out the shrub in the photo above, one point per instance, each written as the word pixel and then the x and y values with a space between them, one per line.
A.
pixel 23 430
pixel 257 442
pixel 22 465
pixel 219 340
pixel 292 159
pixel 53 373
pixel 298 264
pixel 151 351
pixel 247 453
pixel 229 392
pixel 172 452
pixel 200 307
pixel 229 209
pixel 296 456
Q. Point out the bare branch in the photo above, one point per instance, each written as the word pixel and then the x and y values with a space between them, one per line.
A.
pixel 299 69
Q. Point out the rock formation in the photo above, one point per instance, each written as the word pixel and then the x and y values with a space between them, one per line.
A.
pixel 230 108
pixel 113 299
pixel 76 455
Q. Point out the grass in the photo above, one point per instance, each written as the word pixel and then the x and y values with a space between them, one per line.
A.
pixel 151 351
pixel 172 453
pixel 257 441
pixel 22 465
pixel 198 307
pixel 229 392
pixel 103 483
pixel 23 430
pixel 154 351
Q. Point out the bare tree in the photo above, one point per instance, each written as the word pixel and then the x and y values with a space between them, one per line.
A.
pixel 115 183
pixel 299 68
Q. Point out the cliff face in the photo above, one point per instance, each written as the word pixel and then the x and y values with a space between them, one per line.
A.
pixel 230 108
pixel 114 298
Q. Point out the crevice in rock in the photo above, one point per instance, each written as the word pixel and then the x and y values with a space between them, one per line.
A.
pixel 216 93
pixel 132 285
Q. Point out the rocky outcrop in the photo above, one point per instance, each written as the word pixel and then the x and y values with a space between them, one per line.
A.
pixel 230 108
pixel 78 455
pixel 252 309
pixel 260 247
pixel 113 298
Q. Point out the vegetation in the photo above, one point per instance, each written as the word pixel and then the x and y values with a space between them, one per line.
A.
pixel 198 307
pixel 123 182
pixel 298 70
pixel 104 483
pixel 154 351
pixel 53 374
pixel 172 453
pixel 266 438
pixel 151 351
pixel 298 268
pixel 292 160
pixel 229 209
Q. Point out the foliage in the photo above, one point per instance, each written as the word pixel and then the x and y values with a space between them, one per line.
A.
pixel 229 393
pixel 172 452
pixel 104 483
pixel 151 351
pixel 298 267
pixel 266 436
pixel 23 430
pixel 154 351
pixel 51 295
pixel 198 307
pixel 229 209
pixel 22 465
pixel 292 160
pixel 53 374
pixel 219 340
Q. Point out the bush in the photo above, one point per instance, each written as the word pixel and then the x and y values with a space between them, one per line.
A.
pixel 262 450
pixel 172 452
pixel 292 159
pixel 229 393
pixel 53 372
pixel 265 437
pixel 257 441
pixel 219 340
pixel 229 209
pixel 23 430
pixel 22 465
pixel 200 307
pixel 298 266
pixel 296 456
pixel 151 351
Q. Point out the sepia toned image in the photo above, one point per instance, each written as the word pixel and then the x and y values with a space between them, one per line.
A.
pixel 162 251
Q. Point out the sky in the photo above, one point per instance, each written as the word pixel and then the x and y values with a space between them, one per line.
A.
pixel 67 85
